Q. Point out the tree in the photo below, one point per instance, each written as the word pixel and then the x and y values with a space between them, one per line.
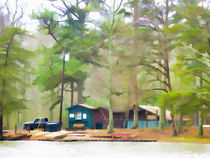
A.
pixel 11 17
pixel 14 62
pixel 109 28
pixel 193 42
pixel 155 59
pixel 73 38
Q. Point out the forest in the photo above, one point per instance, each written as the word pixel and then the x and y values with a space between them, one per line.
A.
pixel 113 53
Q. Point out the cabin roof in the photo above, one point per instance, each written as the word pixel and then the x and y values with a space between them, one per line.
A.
pixel 93 108
pixel 88 106
pixel 156 110
pixel 83 105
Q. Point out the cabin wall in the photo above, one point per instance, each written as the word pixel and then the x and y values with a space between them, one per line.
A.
pixel 88 121
pixel 118 120
pixel 141 115
pixel 101 117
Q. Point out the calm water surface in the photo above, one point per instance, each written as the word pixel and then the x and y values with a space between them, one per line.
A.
pixel 38 149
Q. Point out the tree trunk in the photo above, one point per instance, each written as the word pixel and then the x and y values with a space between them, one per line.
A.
pixel 62 90
pixel 19 117
pixel 52 101
pixel 162 118
pixel 72 93
pixel 1 122
pixel 7 121
pixel 111 121
pixel 200 113
pixel 126 116
pixel 135 116
pixel 166 61
pixel 51 114
pixel 79 92
pixel 200 123
pixel 134 71
pixel 180 123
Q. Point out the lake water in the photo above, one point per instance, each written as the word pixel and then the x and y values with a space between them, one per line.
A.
pixel 43 149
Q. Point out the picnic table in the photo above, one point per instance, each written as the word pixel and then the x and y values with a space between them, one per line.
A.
pixel 120 134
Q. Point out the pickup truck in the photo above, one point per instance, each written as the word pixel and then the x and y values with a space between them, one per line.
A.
pixel 37 123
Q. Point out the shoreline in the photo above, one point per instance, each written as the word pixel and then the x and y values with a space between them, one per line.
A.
pixel 84 140
pixel 188 135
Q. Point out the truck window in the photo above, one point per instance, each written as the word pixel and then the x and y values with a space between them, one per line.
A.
pixel 36 120
pixel 44 119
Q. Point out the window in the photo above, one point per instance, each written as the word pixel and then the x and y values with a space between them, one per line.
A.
pixel 44 120
pixel 78 115
pixel 84 116
pixel 37 120
pixel 71 115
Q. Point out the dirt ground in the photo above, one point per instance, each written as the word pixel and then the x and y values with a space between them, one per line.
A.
pixel 188 134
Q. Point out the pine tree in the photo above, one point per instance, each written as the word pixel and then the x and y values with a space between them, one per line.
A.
pixel 14 63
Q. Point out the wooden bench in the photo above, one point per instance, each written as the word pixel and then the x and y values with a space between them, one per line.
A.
pixel 79 125
pixel 120 134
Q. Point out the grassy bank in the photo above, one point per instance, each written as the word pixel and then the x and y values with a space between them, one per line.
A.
pixel 188 135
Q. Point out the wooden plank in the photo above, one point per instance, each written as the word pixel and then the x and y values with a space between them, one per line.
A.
pixel 79 125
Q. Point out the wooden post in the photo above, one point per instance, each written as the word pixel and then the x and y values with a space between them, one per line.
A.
pixel 156 118
pixel 15 128
pixel 72 93
pixel 146 112
pixel 62 89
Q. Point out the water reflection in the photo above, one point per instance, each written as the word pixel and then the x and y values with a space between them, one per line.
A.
pixel 36 149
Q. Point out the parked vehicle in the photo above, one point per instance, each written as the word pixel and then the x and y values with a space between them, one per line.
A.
pixel 38 123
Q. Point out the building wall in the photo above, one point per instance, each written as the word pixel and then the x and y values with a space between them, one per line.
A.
pixel 118 120
pixel 101 116
pixel 88 121
pixel 141 115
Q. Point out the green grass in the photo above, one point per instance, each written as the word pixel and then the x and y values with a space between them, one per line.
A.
pixel 187 140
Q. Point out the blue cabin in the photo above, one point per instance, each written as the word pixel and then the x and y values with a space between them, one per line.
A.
pixel 87 116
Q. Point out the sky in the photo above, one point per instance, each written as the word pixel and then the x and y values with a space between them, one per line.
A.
pixel 35 5
pixel 30 5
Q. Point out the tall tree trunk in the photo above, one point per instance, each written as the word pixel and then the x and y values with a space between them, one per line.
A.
pixel 162 118
pixel 200 113
pixel 1 121
pixel 4 88
pixel 200 123
pixel 166 61
pixel 134 72
pixel 79 92
pixel 18 116
pixel 72 93
pixel 62 90
pixel 7 121
pixel 51 114
pixel 1 107
pixel 135 116
pixel 52 101
pixel 170 89
pixel 111 121
pixel 180 123
pixel 126 116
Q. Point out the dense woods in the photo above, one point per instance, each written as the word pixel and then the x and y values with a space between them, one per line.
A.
pixel 118 54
